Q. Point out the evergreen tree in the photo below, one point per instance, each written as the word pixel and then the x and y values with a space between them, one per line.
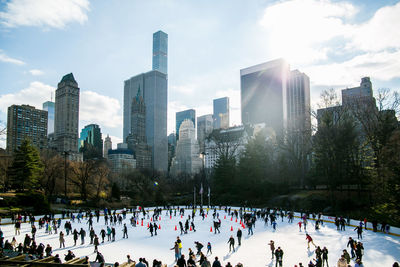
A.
pixel 26 168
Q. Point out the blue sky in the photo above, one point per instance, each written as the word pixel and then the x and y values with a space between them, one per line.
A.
pixel 106 42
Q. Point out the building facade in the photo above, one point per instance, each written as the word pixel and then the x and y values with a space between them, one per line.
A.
pixel 187 158
pixel 91 142
pixel 26 122
pixel 263 95
pixel 204 128
pixel 160 52
pixel 298 102
pixel 154 90
pixel 49 107
pixel 221 113
pixel 107 146
pixel 234 140
pixel 136 140
pixel 66 121
pixel 180 116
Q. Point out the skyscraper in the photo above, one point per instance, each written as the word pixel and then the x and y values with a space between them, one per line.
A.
pixel 136 140
pixel 160 52
pixel 49 107
pixel 189 114
pixel 204 128
pixel 107 146
pixel 298 102
pixel 67 115
pixel 26 122
pixel 154 90
pixel 264 95
pixel 221 113
pixel 91 142
pixel 187 158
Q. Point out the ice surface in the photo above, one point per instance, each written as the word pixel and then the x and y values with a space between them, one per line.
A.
pixel 379 249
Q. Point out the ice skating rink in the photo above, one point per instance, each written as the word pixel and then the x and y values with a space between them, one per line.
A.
pixel 379 249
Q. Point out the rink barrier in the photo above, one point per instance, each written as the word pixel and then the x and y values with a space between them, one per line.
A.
pixel 395 231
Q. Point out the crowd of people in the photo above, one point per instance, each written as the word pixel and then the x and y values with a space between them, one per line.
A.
pixel 113 219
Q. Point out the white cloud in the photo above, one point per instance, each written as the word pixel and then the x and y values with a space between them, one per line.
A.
pixel 36 72
pixel 100 109
pixel 380 32
pixel 381 65
pixel 35 94
pixel 296 29
pixel 7 59
pixel 302 31
pixel 114 139
pixel 47 13
pixel 183 89
pixel 93 107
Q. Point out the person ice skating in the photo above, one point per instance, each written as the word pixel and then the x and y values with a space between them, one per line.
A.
pixel 176 250
pixel 278 257
pixel 209 248
pixel 103 235
pixel 83 234
pixel 181 228
pixel 325 256
pixel 91 235
pixel 151 229
pixel 359 251
pixel 346 256
pixel 178 240
pixel 181 262
pixel 299 223
pixel 125 231
pixel 113 234
pixel 193 228
pixel 155 228
pixel 352 244
pixel 272 247
pixel 96 243
pixel 231 243
pixel 99 258
pixel 62 240
pixel 309 240
pixel 206 263
pixel 70 255
pixel 274 225
pixel 216 263
pixel 359 231
pixel 199 246
pixel 342 262
pixel 239 236
pixel 108 233
pixel 48 250
pixel 358 263
pixel 216 226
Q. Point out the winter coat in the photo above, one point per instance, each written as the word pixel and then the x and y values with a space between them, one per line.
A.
pixel 342 262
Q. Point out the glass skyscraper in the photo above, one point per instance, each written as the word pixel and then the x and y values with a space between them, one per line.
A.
pixel 189 114
pixel 154 90
pixel 49 107
pixel 221 113
pixel 263 90
pixel 160 51
pixel 91 142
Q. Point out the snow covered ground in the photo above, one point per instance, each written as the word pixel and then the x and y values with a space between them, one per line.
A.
pixel 380 249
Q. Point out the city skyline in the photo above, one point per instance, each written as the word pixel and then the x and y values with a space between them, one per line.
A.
pixel 29 75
